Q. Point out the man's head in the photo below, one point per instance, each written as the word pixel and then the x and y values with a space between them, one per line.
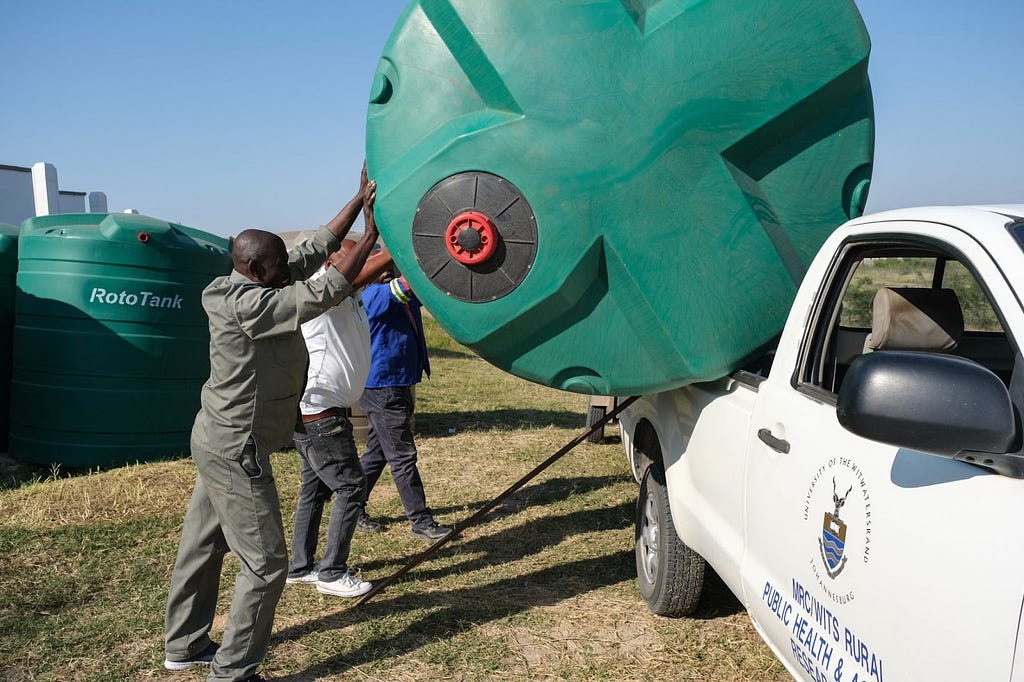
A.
pixel 262 257
pixel 388 274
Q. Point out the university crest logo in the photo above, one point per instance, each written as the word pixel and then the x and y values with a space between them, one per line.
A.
pixel 833 535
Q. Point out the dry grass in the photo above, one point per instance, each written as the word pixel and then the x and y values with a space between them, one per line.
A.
pixel 543 589
pixel 99 497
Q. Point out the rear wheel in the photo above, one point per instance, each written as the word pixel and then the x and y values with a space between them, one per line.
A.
pixel 669 574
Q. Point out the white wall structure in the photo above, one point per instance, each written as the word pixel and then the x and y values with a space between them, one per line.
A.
pixel 16 198
pixel 44 187
pixel 28 192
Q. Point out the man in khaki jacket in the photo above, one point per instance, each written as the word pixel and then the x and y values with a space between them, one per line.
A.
pixel 248 410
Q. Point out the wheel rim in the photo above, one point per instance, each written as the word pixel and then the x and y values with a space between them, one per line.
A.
pixel 649 541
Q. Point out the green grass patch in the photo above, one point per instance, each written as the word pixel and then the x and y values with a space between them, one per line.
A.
pixel 543 588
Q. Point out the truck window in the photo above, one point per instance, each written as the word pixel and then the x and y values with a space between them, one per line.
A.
pixel 871 274
pixel 978 313
pixel 843 318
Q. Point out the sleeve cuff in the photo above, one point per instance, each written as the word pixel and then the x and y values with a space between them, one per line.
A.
pixel 399 292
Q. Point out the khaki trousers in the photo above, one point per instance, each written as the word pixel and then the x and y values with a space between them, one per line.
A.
pixel 234 507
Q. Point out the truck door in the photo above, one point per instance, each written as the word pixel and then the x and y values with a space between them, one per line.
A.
pixel 867 562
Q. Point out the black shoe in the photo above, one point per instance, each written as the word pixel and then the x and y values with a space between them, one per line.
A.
pixel 433 532
pixel 204 656
pixel 368 525
pixel 254 678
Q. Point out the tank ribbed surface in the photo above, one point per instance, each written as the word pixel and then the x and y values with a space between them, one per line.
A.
pixel 111 343
pixel 8 273
pixel 617 197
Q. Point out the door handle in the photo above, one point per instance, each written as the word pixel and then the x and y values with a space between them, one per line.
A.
pixel 777 444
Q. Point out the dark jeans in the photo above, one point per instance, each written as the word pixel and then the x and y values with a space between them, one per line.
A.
pixel 330 466
pixel 390 442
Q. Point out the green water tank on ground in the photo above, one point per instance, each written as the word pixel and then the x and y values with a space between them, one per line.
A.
pixel 111 343
pixel 617 197
pixel 8 272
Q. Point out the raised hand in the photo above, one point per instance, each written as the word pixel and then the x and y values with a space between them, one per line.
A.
pixel 369 198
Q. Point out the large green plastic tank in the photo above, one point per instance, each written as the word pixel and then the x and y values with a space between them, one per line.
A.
pixel 617 197
pixel 111 343
pixel 8 271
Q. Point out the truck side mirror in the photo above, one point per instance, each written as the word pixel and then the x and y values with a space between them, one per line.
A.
pixel 937 404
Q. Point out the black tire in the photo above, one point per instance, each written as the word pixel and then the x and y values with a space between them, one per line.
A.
pixel 669 574
pixel 594 415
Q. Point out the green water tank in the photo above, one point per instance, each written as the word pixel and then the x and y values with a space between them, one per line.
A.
pixel 617 197
pixel 111 343
pixel 8 272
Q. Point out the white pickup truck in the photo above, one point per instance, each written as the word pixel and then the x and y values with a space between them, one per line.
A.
pixel 858 488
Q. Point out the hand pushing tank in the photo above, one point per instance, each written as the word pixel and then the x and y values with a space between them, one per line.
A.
pixel 617 197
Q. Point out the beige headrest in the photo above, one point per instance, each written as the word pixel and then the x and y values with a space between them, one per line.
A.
pixel 916 319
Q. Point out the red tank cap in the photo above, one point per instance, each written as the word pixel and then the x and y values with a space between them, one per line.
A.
pixel 471 238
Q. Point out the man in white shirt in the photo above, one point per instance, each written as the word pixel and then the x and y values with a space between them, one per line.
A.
pixel 338 342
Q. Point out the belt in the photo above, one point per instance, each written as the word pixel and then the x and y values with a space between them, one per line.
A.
pixel 329 412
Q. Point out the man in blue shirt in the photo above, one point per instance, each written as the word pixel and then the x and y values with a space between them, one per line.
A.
pixel 399 359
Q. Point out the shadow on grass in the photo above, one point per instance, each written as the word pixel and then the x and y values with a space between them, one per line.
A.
pixel 547 492
pixel 511 545
pixel 454 612
pixel 435 424
pixel 15 473
pixel 448 354
pixel 716 599
pixel 457 611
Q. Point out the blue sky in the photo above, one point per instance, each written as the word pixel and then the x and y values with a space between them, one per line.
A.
pixel 235 114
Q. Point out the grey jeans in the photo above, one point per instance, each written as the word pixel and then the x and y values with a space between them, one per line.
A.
pixel 234 507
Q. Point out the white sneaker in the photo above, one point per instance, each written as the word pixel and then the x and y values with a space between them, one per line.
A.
pixel 346 586
pixel 307 579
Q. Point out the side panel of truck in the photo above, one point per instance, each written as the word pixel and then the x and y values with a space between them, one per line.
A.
pixel 865 561
pixel 704 467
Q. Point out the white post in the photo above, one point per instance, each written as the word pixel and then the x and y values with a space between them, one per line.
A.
pixel 97 202
pixel 44 189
